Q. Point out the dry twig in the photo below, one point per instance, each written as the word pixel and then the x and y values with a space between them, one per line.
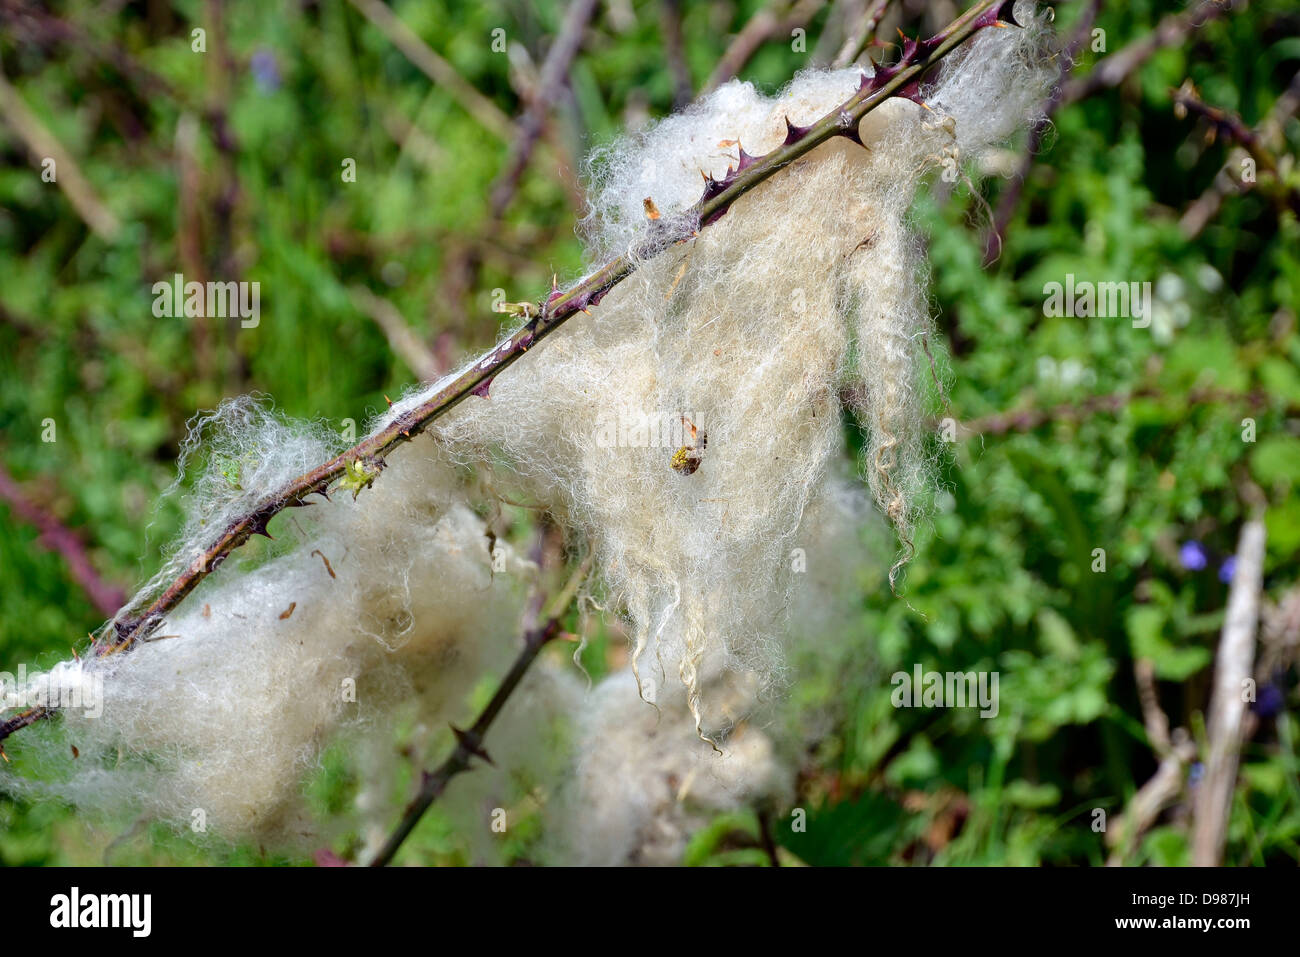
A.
pixel 864 31
pixel 555 73
pixel 488 114
pixel 469 743
pixel 1234 667
pixel 42 145
pixel 775 20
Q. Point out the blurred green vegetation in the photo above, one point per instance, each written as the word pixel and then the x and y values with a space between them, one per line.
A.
pixel 260 126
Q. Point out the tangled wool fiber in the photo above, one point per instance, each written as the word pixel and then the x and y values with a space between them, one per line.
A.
pixel 386 603
pixel 640 783
pixel 687 430
pixel 643 782
pixel 810 287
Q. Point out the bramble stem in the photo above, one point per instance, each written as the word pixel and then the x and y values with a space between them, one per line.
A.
pixel 900 79
pixel 470 743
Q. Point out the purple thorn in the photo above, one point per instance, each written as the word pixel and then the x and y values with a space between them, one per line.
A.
pixel 1002 13
pixel 911 91
pixel 927 47
pixel 712 188
pixel 481 390
pixel 883 75
pixel 850 132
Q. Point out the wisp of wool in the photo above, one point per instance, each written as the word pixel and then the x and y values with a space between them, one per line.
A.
pixel 809 288
pixel 386 604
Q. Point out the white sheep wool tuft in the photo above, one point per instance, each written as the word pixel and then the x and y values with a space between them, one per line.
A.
pixel 640 781
pixel 740 343
pixel 384 608
pixel 687 430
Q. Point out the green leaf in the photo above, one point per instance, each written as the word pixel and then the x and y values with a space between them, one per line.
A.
pixel 1276 461
pixel 1146 627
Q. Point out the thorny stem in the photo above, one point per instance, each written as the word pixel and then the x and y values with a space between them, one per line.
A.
pixel 469 744
pixel 1275 186
pixel 555 73
pixel 864 31
pixel 900 79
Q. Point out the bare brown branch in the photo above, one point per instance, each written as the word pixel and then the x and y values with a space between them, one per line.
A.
pixel 58 538
pixel 1172 30
pixel 488 114
pixel 469 744
pixel 864 31
pixel 777 19
pixel 42 145
pixel 555 72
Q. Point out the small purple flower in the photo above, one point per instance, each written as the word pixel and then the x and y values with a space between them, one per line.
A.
pixel 1195 773
pixel 1271 701
pixel 1193 556
pixel 265 72
pixel 1227 569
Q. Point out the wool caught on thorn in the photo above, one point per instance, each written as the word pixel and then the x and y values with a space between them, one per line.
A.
pixel 811 287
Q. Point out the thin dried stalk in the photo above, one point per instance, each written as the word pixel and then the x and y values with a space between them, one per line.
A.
pixel 1233 669
pixel 43 145
pixel 469 743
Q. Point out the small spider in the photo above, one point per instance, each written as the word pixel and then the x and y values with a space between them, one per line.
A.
pixel 687 459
